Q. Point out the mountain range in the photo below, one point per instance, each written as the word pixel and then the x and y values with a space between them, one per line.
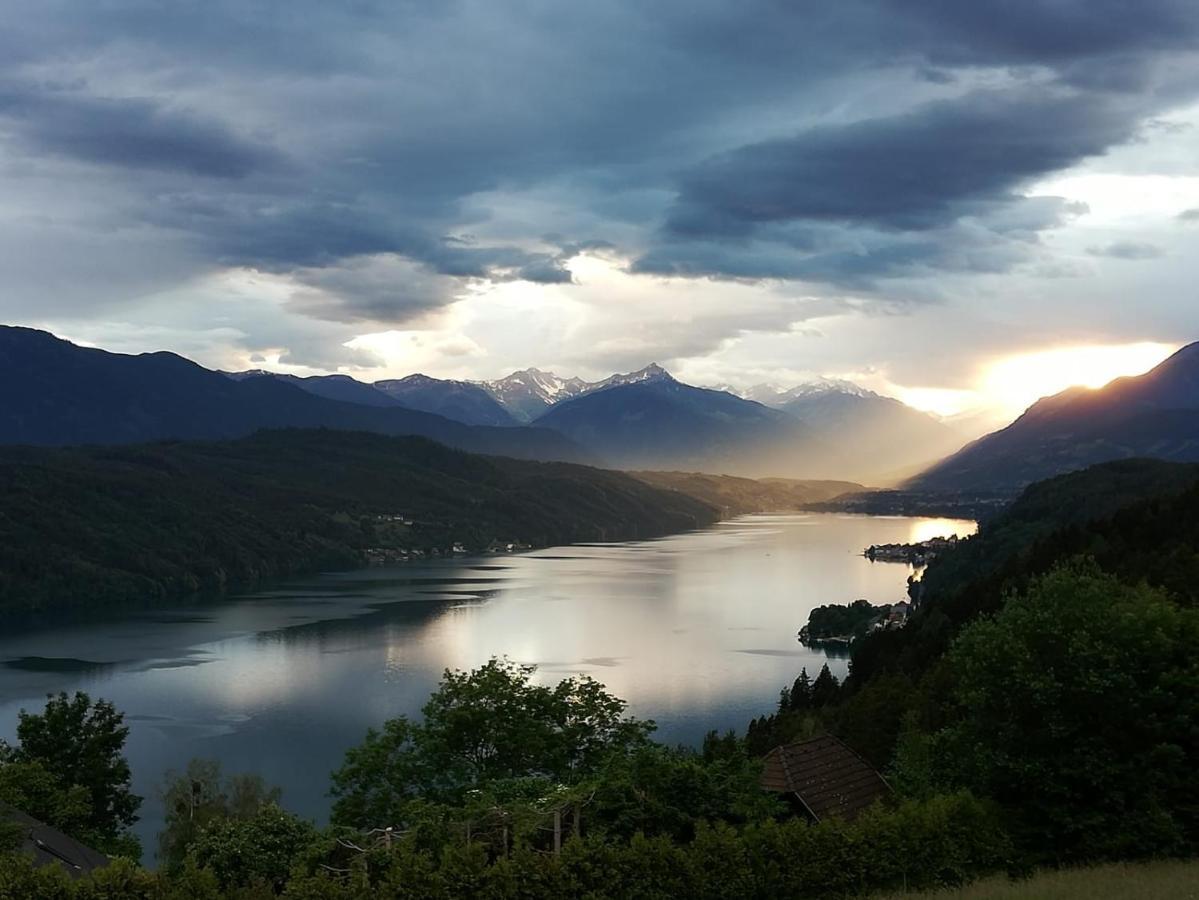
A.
pixel 648 419
pixel 1152 415
pixel 57 393
pixel 54 393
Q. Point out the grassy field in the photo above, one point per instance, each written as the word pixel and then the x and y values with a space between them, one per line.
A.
pixel 1155 881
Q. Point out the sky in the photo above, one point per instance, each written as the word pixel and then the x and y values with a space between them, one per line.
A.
pixel 966 205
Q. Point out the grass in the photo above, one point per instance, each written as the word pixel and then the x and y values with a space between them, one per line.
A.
pixel 1152 881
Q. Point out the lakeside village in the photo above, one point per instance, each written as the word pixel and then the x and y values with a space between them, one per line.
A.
pixel 836 627
pixel 919 554
pixel 398 528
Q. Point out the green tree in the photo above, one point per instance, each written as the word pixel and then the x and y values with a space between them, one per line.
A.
pixel 659 790
pixel 801 692
pixel 259 849
pixel 35 790
pixel 824 688
pixel 1076 709
pixel 81 743
pixel 201 795
pixel 481 726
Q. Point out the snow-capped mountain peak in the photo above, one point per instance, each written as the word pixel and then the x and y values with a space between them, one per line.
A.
pixel 652 372
pixel 774 395
pixel 827 386
pixel 528 393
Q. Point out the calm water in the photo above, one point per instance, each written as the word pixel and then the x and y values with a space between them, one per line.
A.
pixel 696 631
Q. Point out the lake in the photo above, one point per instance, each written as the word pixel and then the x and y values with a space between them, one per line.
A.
pixel 696 631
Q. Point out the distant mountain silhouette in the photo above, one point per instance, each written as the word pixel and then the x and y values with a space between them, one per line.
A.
pixel 1154 415
pixel 331 387
pixel 55 393
pixel 648 420
pixel 462 401
pixel 873 438
pixel 876 437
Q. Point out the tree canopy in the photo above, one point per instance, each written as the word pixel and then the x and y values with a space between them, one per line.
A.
pixel 71 770
pixel 481 726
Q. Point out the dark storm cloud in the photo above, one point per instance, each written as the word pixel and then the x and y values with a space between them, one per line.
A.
pixel 131 133
pixel 886 196
pixel 1047 32
pixel 851 143
pixel 910 172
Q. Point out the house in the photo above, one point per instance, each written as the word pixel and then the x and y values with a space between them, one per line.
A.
pixel 898 614
pixel 47 846
pixel 823 778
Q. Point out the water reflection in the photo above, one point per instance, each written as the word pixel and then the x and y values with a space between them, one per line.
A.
pixel 697 631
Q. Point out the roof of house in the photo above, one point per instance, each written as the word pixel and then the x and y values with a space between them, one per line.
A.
pixel 827 777
pixel 47 845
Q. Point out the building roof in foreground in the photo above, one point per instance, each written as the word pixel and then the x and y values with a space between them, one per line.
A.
pixel 826 776
pixel 47 845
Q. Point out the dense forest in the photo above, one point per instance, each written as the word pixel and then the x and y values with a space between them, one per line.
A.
pixel 1051 663
pixel 83 529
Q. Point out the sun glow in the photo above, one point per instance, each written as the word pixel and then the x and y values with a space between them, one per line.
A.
pixel 1007 386
pixel 1016 382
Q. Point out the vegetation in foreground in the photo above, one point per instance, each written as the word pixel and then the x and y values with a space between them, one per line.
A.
pixel 1168 880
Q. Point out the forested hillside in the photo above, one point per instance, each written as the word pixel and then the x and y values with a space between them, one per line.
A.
pixel 735 496
pixel 1154 415
pixel 1050 662
pixel 87 528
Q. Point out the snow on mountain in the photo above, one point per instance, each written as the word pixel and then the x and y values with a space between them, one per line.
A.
pixel 530 392
pixel 773 395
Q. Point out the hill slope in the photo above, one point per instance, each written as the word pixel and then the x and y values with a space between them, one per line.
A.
pixel 659 423
pixel 461 401
pixel 331 387
pixel 1152 415
pixel 99 526
pixel 1138 519
pixel 735 496
pixel 54 393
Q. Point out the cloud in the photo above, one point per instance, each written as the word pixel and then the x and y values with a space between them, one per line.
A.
pixel 870 147
pixel 1130 250
pixel 129 132
pixel 1189 215
pixel 911 172
pixel 938 187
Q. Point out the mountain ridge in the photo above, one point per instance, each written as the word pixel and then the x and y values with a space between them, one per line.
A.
pixel 462 401
pixel 1154 415
pixel 55 393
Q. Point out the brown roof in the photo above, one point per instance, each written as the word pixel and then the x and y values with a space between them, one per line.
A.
pixel 46 845
pixel 827 777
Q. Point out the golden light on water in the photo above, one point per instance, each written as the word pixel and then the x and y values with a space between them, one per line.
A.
pixel 927 529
